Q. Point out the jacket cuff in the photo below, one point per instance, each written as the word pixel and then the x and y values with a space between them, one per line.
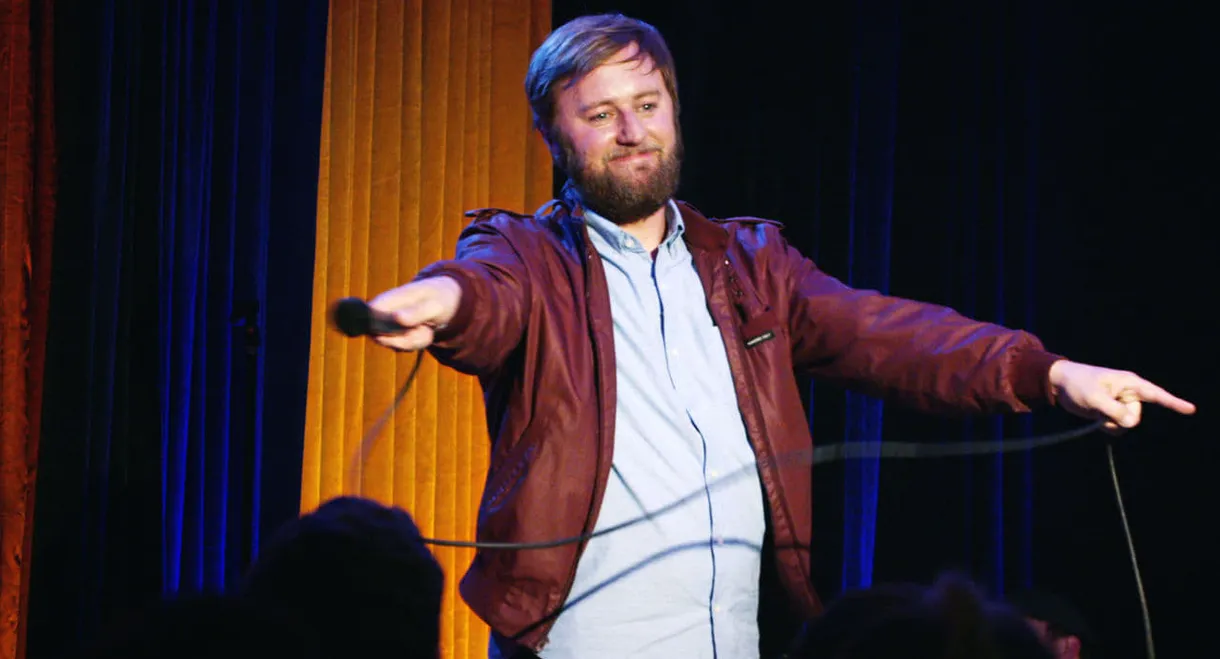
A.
pixel 465 312
pixel 1032 379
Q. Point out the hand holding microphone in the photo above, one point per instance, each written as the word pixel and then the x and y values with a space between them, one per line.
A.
pixel 404 318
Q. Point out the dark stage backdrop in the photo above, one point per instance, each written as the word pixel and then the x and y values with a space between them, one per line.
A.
pixel 1043 165
pixel 180 304
pixel 1046 165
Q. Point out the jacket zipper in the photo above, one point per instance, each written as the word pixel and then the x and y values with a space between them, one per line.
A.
pixel 739 297
pixel 585 527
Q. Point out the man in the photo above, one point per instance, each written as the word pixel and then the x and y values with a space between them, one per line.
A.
pixel 632 351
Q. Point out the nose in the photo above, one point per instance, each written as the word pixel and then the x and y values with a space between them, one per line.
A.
pixel 630 129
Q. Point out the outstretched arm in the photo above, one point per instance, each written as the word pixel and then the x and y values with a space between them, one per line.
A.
pixel 470 312
pixel 923 355
pixel 935 359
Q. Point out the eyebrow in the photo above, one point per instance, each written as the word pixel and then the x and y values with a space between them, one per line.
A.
pixel 610 101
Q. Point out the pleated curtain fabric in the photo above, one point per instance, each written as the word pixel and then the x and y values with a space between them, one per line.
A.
pixel 424 117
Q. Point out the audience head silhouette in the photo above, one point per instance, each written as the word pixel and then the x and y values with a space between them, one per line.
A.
pixel 358 573
pixel 950 620
pixel 854 611
pixel 1057 622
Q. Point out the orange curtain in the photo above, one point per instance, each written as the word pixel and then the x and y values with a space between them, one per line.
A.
pixel 424 117
pixel 27 161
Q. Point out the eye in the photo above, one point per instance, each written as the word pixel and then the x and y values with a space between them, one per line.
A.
pixel 648 107
pixel 599 117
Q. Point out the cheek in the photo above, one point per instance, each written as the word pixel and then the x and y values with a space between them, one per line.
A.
pixel 663 127
pixel 591 146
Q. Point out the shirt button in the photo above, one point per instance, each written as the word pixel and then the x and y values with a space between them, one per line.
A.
pixel 714 474
pixel 673 352
pixel 716 608
pixel 720 541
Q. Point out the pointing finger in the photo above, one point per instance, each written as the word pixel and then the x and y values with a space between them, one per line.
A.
pixel 1150 393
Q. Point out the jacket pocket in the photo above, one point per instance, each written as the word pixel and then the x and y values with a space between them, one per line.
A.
pixel 510 470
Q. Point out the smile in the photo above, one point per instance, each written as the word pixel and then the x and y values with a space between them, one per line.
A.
pixel 634 157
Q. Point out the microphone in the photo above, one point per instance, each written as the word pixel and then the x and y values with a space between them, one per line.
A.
pixel 353 317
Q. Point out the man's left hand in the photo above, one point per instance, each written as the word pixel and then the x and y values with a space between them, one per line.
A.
pixel 1094 392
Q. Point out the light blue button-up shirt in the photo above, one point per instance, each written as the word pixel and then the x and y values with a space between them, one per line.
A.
pixel 685 584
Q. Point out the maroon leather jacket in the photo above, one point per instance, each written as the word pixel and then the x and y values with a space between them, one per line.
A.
pixel 534 325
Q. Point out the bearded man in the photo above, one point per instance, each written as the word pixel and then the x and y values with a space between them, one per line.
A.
pixel 632 351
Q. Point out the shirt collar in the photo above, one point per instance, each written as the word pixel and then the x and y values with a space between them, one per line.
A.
pixel 618 239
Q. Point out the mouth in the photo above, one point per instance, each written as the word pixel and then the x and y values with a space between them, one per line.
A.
pixel 632 158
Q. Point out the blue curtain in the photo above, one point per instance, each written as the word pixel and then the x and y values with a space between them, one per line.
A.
pixel 996 213
pixel 874 114
pixel 952 125
pixel 179 337
pixel 968 144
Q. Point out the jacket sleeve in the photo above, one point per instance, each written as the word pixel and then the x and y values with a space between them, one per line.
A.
pixel 491 317
pixel 923 355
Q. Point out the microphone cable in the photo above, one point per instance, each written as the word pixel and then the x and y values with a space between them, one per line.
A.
pixel 806 457
pixel 1149 647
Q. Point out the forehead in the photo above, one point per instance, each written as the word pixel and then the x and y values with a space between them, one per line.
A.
pixel 622 77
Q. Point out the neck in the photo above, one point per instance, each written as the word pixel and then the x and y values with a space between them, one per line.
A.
pixel 651 230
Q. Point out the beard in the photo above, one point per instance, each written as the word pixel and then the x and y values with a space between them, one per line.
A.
pixel 622 198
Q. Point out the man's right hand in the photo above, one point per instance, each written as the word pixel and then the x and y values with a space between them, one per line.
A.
pixel 422 307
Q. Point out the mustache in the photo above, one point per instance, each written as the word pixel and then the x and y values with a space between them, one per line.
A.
pixel 636 151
